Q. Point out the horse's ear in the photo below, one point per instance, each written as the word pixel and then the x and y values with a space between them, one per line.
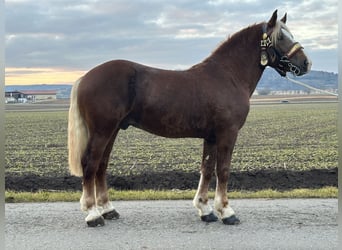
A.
pixel 284 18
pixel 272 22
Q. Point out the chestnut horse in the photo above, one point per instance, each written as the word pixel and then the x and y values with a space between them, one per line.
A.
pixel 210 100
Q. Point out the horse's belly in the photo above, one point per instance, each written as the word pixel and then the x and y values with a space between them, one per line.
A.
pixel 173 126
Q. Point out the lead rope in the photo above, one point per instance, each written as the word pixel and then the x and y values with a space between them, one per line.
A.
pixel 309 87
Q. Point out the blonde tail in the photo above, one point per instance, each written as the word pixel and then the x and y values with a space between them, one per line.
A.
pixel 77 134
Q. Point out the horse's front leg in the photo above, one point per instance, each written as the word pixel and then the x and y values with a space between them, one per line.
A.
pixel 207 168
pixel 225 148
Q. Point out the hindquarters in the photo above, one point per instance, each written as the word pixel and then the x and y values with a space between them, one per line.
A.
pixel 106 94
pixel 100 100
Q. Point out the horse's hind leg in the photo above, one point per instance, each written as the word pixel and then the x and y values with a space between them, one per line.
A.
pixel 90 163
pixel 103 203
pixel 201 198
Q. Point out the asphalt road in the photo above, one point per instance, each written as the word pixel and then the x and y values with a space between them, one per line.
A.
pixel 266 224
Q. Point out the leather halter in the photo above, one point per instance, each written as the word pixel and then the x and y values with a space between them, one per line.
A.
pixel 294 49
pixel 281 63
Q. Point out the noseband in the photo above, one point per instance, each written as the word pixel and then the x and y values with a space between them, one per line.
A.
pixel 281 63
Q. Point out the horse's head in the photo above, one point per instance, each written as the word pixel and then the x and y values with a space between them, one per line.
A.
pixel 280 51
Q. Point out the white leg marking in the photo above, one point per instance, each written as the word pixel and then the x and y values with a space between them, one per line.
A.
pixel 93 214
pixel 227 212
pixel 224 212
pixel 108 207
pixel 203 209
pixel 83 203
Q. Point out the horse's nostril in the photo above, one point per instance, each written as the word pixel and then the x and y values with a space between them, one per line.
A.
pixel 307 65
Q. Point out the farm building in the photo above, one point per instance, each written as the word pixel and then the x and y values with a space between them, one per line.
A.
pixel 29 96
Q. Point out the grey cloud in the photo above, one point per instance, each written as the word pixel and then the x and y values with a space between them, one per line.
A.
pixel 81 34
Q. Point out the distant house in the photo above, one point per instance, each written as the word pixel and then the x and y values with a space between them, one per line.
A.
pixel 29 96
pixel 13 96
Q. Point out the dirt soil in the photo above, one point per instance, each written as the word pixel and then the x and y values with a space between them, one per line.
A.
pixel 257 180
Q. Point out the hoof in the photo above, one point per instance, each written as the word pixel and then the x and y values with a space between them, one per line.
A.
pixel 96 222
pixel 209 217
pixel 111 215
pixel 232 220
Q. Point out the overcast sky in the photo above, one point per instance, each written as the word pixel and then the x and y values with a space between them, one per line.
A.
pixel 56 41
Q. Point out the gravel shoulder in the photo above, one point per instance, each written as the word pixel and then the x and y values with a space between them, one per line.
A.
pixel 266 224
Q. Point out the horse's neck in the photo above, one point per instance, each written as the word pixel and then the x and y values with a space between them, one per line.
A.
pixel 239 57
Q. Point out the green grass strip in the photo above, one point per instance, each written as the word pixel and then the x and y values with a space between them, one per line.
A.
pixel 54 196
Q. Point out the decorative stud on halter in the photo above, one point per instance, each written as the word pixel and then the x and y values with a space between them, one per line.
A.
pixel 264 43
